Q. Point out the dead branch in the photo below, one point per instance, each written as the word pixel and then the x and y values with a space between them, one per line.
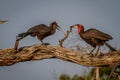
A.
pixel 16 44
pixel 64 38
pixel 39 52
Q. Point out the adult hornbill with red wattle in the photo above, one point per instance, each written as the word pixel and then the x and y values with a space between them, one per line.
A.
pixel 94 37
pixel 41 31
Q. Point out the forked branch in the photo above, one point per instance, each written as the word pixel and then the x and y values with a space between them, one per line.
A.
pixel 65 37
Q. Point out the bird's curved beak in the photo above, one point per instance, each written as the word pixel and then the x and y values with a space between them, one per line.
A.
pixel 73 26
pixel 58 28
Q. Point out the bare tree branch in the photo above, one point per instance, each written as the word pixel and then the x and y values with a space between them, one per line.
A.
pixel 38 52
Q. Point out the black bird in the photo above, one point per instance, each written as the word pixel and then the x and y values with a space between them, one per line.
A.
pixel 41 31
pixel 94 37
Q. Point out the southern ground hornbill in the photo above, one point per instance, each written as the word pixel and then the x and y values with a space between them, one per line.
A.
pixel 94 37
pixel 41 31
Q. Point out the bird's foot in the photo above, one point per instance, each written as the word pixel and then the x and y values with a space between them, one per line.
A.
pixel 46 44
pixel 21 48
pixel 91 54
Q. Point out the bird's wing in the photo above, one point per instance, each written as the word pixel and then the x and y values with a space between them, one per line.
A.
pixel 94 33
pixel 39 28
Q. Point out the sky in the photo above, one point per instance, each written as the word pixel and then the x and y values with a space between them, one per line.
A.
pixel 23 14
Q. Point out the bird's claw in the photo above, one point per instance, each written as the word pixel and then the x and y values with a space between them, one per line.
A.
pixel 46 44
pixel 91 54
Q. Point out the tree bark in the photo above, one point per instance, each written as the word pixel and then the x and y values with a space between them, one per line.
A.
pixel 10 56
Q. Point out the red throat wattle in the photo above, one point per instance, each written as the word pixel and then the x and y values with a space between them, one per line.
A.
pixel 79 28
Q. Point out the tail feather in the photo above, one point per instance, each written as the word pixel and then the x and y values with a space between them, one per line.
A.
pixel 109 46
pixel 22 35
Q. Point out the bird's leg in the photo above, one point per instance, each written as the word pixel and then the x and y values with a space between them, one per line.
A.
pixel 98 51
pixel 92 51
pixel 44 43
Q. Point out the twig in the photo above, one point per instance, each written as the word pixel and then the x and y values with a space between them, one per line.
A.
pixel 65 36
pixel 16 45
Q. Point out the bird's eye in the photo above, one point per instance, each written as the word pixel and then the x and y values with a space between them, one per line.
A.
pixel 75 26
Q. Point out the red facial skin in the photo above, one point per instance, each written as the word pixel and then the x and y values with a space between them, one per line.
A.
pixel 79 27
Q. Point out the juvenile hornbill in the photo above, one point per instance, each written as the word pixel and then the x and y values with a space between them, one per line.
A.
pixel 94 37
pixel 41 31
